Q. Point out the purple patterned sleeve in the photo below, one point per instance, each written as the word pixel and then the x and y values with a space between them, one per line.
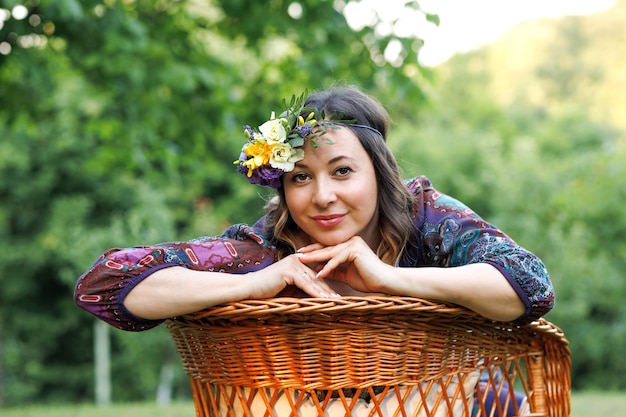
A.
pixel 102 289
pixel 451 234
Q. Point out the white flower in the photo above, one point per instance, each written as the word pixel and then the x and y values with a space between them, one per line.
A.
pixel 284 156
pixel 274 131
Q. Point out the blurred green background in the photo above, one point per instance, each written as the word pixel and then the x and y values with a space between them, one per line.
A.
pixel 119 120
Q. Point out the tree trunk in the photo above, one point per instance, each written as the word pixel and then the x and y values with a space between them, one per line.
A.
pixel 102 356
pixel 1 364
pixel 166 384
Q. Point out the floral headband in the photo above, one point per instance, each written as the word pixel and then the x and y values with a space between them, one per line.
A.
pixel 276 147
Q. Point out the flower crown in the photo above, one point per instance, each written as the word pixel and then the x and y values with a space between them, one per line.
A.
pixel 276 147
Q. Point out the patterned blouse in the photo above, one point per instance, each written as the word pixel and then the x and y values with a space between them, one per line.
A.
pixel 448 234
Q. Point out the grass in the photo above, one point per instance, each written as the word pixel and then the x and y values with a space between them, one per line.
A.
pixel 90 410
pixel 584 404
pixel 594 404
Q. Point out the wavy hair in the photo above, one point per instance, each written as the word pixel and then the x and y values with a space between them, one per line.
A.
pixel 394 200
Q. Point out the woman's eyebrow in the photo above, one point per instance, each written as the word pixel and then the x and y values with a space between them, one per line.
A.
pixel 336 159
pixel 339 158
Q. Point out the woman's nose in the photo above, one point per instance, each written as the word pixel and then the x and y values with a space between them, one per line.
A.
pixel 325 193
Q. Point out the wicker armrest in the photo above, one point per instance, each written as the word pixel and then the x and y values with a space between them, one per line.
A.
pixel 387 355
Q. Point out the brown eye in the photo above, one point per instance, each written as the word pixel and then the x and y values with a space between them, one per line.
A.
pixel 343 171
pixel 300 177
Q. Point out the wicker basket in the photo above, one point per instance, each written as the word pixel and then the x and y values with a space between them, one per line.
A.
pixel 369 356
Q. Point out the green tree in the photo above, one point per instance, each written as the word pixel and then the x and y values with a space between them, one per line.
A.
pixel 118 122
pixel 552 178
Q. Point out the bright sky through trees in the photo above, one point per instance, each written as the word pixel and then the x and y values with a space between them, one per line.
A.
pixel 465 25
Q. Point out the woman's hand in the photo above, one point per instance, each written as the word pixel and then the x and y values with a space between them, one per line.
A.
pixel 269 281
pixel 352 262
pixel 480 287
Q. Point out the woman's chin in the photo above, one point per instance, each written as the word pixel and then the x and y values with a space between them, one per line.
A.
pixel 330 239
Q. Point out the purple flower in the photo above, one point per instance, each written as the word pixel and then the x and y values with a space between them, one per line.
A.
pixel 242 169
pixel 249 132
pixel 304 130
pixel 242 155
pixel 266 176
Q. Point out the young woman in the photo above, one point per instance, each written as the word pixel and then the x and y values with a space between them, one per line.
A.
pixel 343 223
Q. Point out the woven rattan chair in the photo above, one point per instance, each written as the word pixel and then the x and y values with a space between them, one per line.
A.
pixel 369 356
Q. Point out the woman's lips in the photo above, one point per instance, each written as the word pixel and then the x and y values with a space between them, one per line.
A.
pixel 329 220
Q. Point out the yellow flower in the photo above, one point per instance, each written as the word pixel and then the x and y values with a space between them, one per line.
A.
pixel 259 153
pixel 309 120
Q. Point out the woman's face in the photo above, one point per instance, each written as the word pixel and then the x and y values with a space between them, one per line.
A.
pixel 332 194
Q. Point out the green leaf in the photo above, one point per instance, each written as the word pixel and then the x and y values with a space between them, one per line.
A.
pixel 295 142
pixel 433 18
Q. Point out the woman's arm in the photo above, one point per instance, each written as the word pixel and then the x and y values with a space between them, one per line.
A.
pixel 178 290
pixel 479 287
pixel 175 291
pixel 102 290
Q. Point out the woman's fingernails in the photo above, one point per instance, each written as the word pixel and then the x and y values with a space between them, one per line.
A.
pixel 324 295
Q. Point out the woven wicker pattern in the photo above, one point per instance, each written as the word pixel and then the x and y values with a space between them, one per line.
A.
pixel 369 356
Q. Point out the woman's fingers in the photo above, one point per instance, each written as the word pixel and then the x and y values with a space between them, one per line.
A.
pixel 305 279
pixel 310 248
pixel 315 287
pixel 331 266
pixel 329 258
pixel 316 255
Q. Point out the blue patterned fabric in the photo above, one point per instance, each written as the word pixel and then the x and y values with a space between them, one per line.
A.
pixel 451 234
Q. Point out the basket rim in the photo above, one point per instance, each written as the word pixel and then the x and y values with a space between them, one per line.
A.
pixel 347 304
pixel 370 304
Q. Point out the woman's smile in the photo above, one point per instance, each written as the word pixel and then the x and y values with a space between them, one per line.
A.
pixel 329 220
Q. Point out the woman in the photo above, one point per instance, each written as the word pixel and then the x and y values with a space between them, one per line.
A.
pixel 343 222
